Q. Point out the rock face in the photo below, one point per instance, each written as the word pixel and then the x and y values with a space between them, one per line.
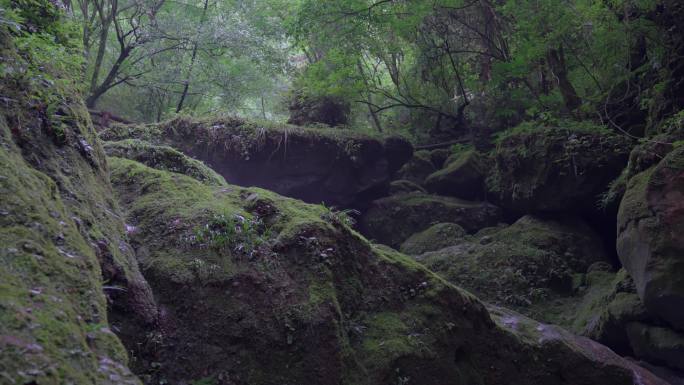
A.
pixel 610 303
pixel 526 266
pixel 552 169
pixel 294 296
pixel 651 237
pixel 462 177
pixel 393 219
pixel 61 241
pixel 338 167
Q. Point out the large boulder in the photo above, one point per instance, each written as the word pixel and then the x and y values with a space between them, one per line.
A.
pixel 611 313
pixel 463 176
pixel 338 167
pixel 552 169
pixel 650 240
pixel 417 168
pixel 393 219
pixel 259 289
pixel 527 266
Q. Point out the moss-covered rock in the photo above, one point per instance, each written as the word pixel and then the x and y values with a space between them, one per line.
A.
pixel 417 168
pixel 294 296
pixel 609 303
pixel 551 169
pixel 526 266
pixel 657 344
pixel 163 158
pixel 393 219
pixel 63 250
pixel 650 241
pixel 342 168
pixel 403 186
pixel 435 238
pixel 463 177
pixel 439 156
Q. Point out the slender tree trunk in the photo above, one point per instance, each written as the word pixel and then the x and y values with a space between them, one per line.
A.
pixel 101 49
pixel 263 106
pixel 371 112
pixel 195 46
pixel 556 59
pixel 109 80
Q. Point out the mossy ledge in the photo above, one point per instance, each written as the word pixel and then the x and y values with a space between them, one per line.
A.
pixel 341 167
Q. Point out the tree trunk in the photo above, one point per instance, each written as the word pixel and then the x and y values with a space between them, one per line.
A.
pixel 109 80
pixel 556 59
pixel 101 49
pixel 195 46
pixel 371 112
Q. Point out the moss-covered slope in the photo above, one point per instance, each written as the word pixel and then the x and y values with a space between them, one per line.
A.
pixel 64 258
pixel 260 289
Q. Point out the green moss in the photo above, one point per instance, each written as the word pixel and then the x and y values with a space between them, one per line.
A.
pixel 387 338
pixel 51 297
pixel 200 249
pixel 434 238
pixel 163 158
pixel 528 266
pixel 634 202
pixel 546 169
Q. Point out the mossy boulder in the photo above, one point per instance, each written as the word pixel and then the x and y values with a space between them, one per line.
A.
pixel 552 169
pixel 163 158
pixel 463 177
pixel 436 237
pixel 295 296
pixel 439 156
pixel 417 168
pixel 657 345
pixel 526 266
pixel 650 240
pixel 611 313
pixel 403 186
pixel 342 168
pixel 609 303
pixel 393 219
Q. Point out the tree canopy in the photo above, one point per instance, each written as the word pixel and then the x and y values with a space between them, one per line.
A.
pixel 428 68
